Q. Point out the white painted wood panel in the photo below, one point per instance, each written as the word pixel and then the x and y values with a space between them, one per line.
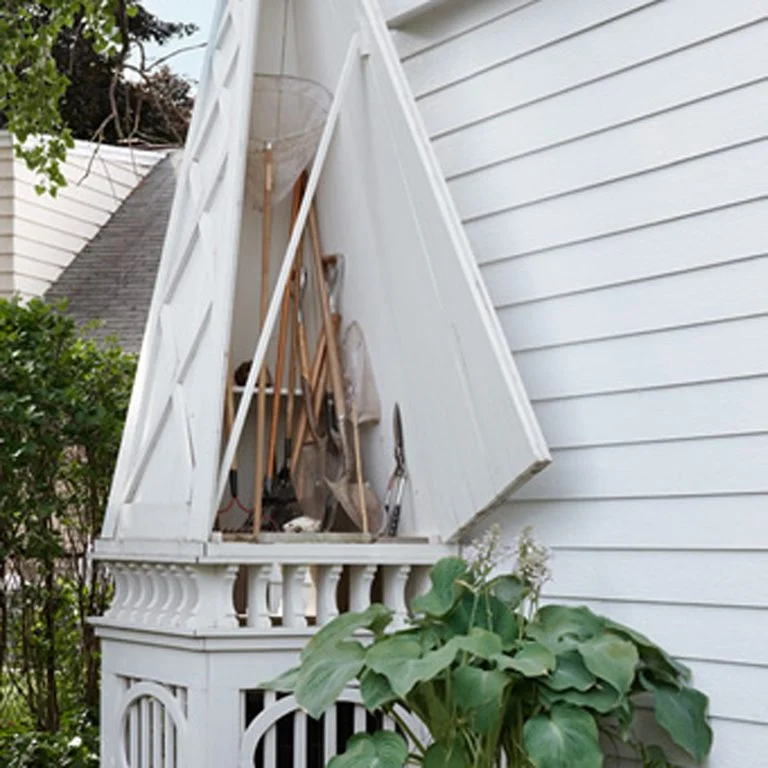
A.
pixel 512 36
pixel 657 414
pixel 713 294
pixel 720 351
pixel 689 75
pixel 695 578
pixel 628 42
pixel 432 30
pixel 624 245
pixel 173 426
pixel 704 239
pixel 715 180
pixel 730 120
pixel 713 523
pixel 710 466
pixel 394 219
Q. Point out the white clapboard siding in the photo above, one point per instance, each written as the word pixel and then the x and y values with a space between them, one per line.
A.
pixel 732 349
pixel 704 239
pixel 685 77
pixel 608 162
pixel 630 40
pixel 668 524
pixel 712 181
pixel 713 294
pixel 46 233
pixel 677 135
pixel 667 413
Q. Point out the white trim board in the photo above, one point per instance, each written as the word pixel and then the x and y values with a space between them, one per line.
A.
pixel 397 12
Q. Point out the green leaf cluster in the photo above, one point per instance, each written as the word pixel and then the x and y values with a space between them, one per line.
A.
pixel 63 400
pixel 491 679
pixel 31 84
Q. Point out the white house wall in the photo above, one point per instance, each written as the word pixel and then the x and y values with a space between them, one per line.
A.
pixel 608 161
pixel 39 234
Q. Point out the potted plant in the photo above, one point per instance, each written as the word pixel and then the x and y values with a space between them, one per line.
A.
pixel 493 675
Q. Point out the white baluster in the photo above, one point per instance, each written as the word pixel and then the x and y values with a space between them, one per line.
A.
pixel 361 720
pixel 360 580
pixel 148 590
pixel 144 704
pixel 330 743
pixel 259 577
pixel 270 737
pixel 395 583
pixel 327 584
pixel 157 734
pixel 293 595
pixel 299 740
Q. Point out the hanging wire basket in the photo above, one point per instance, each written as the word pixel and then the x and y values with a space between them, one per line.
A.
pixel 288 115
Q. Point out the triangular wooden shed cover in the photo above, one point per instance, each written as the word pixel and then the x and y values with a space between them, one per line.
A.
pixel 412 282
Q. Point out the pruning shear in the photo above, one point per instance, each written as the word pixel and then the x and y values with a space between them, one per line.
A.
pixel 396 486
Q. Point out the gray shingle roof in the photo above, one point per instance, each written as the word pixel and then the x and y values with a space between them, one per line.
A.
pixel 112 278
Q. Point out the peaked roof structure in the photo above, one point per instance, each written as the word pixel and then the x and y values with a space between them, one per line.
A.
pixel 411 281
pixel 111 279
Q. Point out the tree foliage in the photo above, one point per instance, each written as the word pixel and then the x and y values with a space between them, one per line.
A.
pixel 63 66
pixel 62 404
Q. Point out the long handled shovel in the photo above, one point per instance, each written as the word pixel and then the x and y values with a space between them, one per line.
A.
pixel 261 403
pixel 279 499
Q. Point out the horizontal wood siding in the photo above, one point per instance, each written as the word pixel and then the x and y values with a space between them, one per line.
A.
pixel 47 232
pixel 608 161
pixel 6 216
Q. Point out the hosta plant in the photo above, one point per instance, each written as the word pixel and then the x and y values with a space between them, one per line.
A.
pixel 493 676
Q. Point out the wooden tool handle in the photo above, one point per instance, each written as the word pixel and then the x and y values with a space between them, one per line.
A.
pixel 359 470
pixel 314 377
pixel 261 405
pixel 282 336
pixel 334 361
pixel 292 360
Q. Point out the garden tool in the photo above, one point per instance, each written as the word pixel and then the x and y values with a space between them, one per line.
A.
pixel 261 403
pixel 280 501
pixel 364 407
pixel 284 475
pixel 339 483
pixel 396 485
pixel 360 383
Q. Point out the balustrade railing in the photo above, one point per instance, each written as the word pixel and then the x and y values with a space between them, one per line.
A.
pixel 267 587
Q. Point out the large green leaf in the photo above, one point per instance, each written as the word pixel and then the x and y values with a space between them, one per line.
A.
pixel 562 628
pixel 612 659
pixel 481 611
pixel 479 694
pixel 441 755
pixel 565 738
pixel 399 658
pixel 532 660
pixel 683 715
pixel 285 683
pixel 375 690
pixel 323 678
pixel 651 655
pixel 602 698
pixel 445 590
pixel 510 590
pixel 382 749
pixel 376 617
pixel 570 672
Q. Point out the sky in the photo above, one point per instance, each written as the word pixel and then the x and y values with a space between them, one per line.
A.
pixel 199 12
